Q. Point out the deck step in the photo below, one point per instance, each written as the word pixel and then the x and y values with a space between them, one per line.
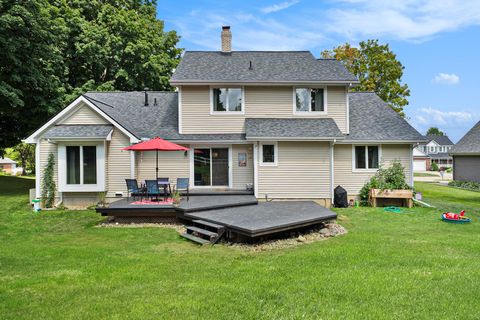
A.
pixel 207 233
pixel 209 224
pixel 193 238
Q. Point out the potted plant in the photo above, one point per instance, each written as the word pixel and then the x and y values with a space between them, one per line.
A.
pixel 176 198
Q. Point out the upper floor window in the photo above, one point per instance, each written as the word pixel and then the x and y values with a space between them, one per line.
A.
pixel 366 157
pixel 310 100
pixel 227 100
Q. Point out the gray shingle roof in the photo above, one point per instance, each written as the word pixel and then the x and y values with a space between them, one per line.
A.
pixel 441 140
pixel 470 142
pixel 78 131
pixel 372 119
pixel 292 128
pixel 127 108
pixel 267 66
pixel 440 155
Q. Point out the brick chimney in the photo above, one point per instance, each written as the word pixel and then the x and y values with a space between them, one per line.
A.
pixel 226 39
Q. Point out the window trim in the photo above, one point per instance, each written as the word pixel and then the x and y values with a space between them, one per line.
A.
pixel 354 158
pixel 275 154
pixel 226 112
pixel 310 113
pixel 62 168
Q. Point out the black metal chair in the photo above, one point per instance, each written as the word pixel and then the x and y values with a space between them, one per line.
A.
pixel 165 183
pixel 152 189
pixel 183 184
pixel 133 189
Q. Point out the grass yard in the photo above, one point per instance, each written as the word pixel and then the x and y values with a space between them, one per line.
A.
pixel 58 265
pixel 425 174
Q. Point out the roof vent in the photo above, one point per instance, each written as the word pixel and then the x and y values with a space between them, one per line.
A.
pixel 250 67
pixel 146 96
pixel 226 39
pixel 155 101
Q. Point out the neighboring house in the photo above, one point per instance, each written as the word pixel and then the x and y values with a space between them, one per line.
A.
pixel 282 122
pixel 8 166
pixel 435 151
pixel 466 156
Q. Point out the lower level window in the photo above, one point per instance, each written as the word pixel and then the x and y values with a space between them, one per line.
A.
pixel 81 164
pixel 268 154
pixel 366 157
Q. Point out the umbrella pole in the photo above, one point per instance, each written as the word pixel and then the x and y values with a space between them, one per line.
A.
pixel 156 169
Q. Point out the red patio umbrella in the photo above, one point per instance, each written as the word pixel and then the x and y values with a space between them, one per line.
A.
pixel 156 144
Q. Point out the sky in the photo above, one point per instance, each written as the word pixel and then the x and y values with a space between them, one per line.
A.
pixel 437 41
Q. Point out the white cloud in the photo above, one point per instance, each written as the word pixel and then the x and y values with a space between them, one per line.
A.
pixel 279 6
pixel 445 78
pixel 435 117
pixel 401 19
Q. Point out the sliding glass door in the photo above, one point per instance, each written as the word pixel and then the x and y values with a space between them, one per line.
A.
pixel 210 166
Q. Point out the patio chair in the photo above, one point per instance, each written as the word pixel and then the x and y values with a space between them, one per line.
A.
pixel 152 189
pixel 183 184
pixel 133 189
pixel 165 183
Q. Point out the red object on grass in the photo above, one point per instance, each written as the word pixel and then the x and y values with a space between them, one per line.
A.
pixel 156 144
pixel 454 216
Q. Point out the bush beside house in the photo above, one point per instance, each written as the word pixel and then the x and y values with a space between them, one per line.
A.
pixel 392 178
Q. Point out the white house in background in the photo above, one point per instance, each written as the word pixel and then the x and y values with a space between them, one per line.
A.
pixel 8 166
pixel 435 151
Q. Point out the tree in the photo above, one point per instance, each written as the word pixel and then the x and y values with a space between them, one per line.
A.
pixel 378 70
pixel 31 68
pixel 25 154
pixel 116 45
pixel 435 131
pixel 51 51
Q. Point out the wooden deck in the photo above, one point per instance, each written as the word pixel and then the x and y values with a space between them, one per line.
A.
pixel 267 217
pixel 241 215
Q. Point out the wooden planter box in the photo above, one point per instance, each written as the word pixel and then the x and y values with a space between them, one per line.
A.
pixel 404 195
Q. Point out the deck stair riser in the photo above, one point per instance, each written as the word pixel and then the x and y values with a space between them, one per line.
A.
pixel 204 232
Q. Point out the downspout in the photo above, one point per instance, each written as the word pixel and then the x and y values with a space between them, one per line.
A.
pixel 332 178
pixel 60 194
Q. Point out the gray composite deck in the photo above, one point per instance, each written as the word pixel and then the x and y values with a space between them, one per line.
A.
pixel 125 207
pixel 267 217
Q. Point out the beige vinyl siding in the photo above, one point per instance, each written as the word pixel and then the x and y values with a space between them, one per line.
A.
pixel 84 115
pixel 269 102
pixel 354 181
pixel 45 149
pixel 260 101
pixel 303 171
pixel 117 163
pixel 241 176
pixel 337 106
pixel 171 164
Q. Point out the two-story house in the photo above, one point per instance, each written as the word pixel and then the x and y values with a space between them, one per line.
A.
pixel 436 150
pixel 281 123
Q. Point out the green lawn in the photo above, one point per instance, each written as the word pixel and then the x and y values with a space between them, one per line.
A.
pixel 57 265
pixel 425 174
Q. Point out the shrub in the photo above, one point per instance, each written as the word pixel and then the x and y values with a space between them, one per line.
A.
pixel 449 170
pixel 48 183
pixel 385 178
pixel 434 166
pixel 470 185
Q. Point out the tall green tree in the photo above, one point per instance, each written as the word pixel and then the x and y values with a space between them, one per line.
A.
pixel 51 51
pixel 435 131
pixel 378 70
pixel 30 68
pixel 116 45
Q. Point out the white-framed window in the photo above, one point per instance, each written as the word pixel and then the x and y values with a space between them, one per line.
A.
pixel 227 101
pixel 268 153
pixel 366 157
pixel 81 167
pixel 309 101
